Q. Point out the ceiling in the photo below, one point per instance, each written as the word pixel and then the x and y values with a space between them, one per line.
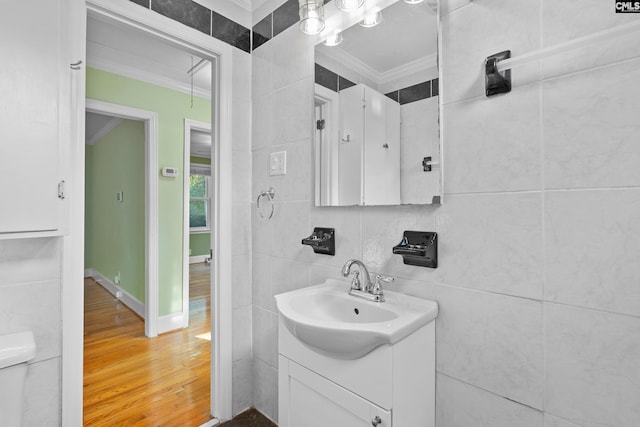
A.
pixel 407 34
pixel 126 51
pixel 97 126
pixel 132 53
pixel 200 144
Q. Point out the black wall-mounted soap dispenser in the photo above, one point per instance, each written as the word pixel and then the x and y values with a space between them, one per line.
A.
pixel 419 248
pixel 322 240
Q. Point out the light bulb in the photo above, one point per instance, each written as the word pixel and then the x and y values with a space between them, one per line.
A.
pixel 334 39
pixel 312 16
pixel 372 20
pixel 349 5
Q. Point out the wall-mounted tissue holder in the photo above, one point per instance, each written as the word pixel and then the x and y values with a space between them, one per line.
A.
pixel 419 248
pixel 322 241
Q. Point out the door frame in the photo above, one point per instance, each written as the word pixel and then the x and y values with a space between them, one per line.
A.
pixel 150 120
pixel 221 55
pixel 190 124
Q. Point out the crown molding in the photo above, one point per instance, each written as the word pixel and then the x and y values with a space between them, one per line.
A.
pixel 124 64
pixel 349 61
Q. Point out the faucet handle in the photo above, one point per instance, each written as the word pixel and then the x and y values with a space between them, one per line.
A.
pixel 383 278
pixel 355 282
pixel 376 287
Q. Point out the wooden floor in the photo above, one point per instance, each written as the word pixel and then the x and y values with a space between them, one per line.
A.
pixel 131 380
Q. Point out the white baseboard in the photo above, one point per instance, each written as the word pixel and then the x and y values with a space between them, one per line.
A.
pixel 170 322
pixel 213 422
pixel 125 297
pixel 198 259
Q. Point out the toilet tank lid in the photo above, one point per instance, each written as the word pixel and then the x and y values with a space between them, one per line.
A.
pixel 16 348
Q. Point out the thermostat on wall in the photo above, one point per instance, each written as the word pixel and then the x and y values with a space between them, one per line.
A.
pixel 169 172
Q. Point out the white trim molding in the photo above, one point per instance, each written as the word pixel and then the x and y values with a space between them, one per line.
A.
pixel 170 322
pixel 126 13
pixel 197 259
pixel 125 297
pixel 151 201
pixel 190 125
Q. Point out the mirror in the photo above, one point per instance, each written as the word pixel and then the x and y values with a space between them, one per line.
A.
pixel 377 137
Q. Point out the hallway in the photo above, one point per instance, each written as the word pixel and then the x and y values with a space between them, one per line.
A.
pixel 130 380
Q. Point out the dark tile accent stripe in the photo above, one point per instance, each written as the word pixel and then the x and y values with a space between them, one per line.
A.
pixel 395 95
pixel 344 83
pixel 230 31
pixel 186 12
pixel 326 78
pixel 285 16
pixel 435 89
pixel 415 92
pixel 262 31
pixel 144 3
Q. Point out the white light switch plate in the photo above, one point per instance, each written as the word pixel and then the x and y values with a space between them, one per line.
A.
pixel 278 163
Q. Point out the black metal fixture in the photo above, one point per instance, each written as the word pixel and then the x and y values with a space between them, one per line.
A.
pixel 496 82
pixel 322 241
pixel 419 248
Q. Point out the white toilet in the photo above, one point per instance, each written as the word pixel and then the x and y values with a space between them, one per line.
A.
pixel 15 351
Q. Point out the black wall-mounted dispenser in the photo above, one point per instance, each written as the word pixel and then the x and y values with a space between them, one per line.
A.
pixel 419 248
pixel 322 241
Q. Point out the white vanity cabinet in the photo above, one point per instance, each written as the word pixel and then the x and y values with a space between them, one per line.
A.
pixel 392 386
pixel 369 148
pixel 35 104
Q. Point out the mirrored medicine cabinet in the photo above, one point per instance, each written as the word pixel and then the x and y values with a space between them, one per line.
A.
pixel 377 111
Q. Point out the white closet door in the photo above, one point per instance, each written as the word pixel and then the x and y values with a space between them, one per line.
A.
pixel 34 105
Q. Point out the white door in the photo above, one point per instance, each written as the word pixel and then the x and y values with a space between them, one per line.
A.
pixel 34 103
pixel 381 149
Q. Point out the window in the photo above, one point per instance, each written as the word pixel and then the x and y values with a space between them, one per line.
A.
pixel 199 203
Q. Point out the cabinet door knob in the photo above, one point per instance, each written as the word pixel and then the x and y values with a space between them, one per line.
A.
pixel 376 421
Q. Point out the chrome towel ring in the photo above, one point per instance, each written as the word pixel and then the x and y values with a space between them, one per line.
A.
pixel 269 194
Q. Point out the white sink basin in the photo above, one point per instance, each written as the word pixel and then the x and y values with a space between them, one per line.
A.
pixel 328 319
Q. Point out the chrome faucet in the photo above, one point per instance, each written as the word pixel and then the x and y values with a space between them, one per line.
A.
pixel 366 290
pixel 355 283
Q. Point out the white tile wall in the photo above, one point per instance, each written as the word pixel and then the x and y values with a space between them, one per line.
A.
pixel 551 421
pixel 592 375
pixel 30 300
pixel 491 341
pixel 494 144
pixel 592 249
pixel 42 395
pixel 532 236
pixel 459 404
pixel 590 128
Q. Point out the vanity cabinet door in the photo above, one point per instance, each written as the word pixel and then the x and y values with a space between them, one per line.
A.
pixel 310 400
pixel 34 114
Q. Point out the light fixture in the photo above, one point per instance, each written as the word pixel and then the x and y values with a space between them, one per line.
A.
pixel 349 5
pixel 333 40
pixel 413 1
pixel 311 16
pixel 372 20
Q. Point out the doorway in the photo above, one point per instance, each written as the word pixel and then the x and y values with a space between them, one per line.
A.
pixel 197 202
pixel 148 307
pixel 129 15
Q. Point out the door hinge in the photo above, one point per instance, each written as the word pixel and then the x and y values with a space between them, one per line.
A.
pixel 61 189
pixel 320 124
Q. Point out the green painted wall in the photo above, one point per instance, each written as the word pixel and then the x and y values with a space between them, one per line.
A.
pixel 172 108
pixel 200 160
pixel 114 231
pixel 199 243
